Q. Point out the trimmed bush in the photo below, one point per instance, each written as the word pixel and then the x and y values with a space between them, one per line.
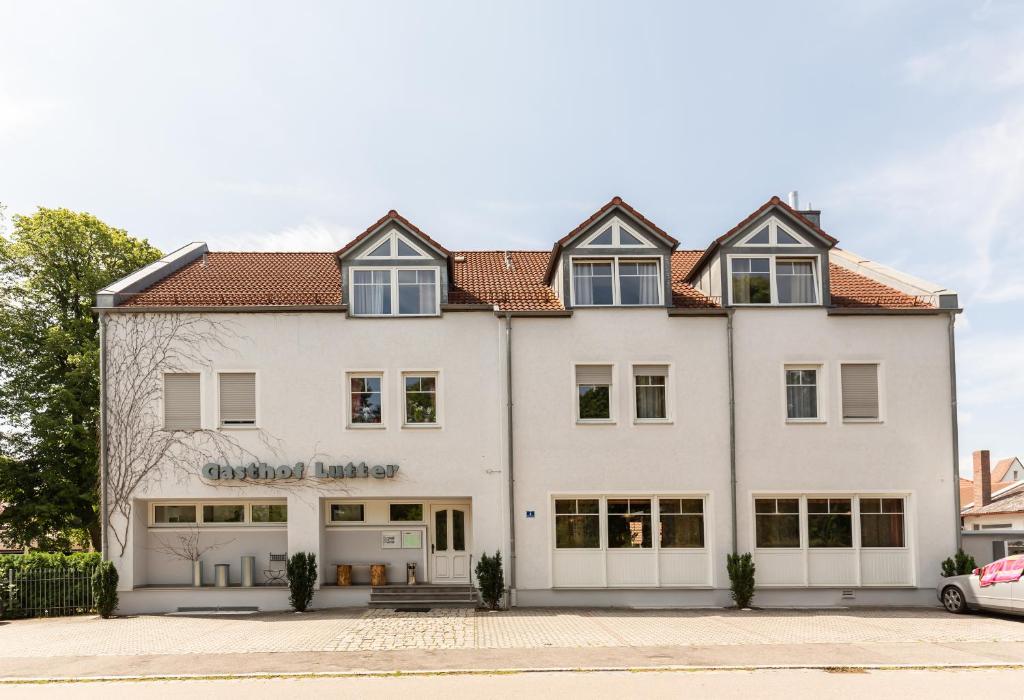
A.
pixel 79 561
pixel 70 597
pixel 104 589
pixel 741 578
pixel 490 579
pixel 301 579
pixel 959 564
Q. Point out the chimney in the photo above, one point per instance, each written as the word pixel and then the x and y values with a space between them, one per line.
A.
pixel 812 215
pixel 982 478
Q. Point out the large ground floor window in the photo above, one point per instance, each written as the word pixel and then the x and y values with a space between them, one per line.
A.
pixel 217 513
pixel 630 541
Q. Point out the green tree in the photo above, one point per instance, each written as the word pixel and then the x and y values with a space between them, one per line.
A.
pixel 51 266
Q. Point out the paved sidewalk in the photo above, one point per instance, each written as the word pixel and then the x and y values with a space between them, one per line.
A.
pixel 378 640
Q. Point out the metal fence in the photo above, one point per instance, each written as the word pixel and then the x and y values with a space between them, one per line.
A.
pixel 46 592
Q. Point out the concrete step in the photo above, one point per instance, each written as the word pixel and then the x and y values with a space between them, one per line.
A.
pixel 423 588
pixel 426 595
pixel 422 604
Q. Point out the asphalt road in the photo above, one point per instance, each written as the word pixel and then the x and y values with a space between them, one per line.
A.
pixel 787 684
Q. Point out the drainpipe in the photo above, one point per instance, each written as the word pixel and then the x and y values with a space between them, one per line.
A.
pixel 956 430
pixel 732 433
pixel 511 459
pixel 103 436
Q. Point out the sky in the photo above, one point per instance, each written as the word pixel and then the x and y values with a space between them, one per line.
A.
pixel 293 126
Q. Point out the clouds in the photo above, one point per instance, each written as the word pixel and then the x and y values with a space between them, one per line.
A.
pixel 308 236
pixel 986 61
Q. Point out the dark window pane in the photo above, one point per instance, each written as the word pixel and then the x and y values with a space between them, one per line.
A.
pixel 789 505
pixel 618 505
pixel 760 238
pixel 881 530
pixel 458 531
pixel 764 505
pixel 587 505
pixel 839 505
pixel 406 512
pixel 565 506
pixel 441 530
pixel 234 513
pixel 870 505
pixel 262 513
pixel 892 505
pixel 166 515
pixel 594 402
pixel 817 505
pixel 829 530
pixel 682 530
pixel 692 505
pixel 346 512
pixel 577 531
pixel 629 531
pixel 603 238
pixel 668 505
pixel 777 530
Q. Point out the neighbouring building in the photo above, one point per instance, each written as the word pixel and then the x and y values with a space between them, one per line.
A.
pixel 614 415
pixel 992 508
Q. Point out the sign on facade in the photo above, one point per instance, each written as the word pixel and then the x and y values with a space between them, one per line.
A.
pixel 265 472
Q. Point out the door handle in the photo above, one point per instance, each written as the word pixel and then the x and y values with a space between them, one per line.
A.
pixel 431 547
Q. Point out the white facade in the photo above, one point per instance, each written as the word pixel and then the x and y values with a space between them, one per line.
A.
pixel 648 506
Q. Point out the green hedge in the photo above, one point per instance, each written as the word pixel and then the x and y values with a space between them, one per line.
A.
pixel 56 595
pixel 48 560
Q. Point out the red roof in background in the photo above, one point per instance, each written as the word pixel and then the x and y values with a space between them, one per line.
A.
pixel 484 277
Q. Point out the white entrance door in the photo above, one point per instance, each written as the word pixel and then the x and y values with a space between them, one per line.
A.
pixel 449 543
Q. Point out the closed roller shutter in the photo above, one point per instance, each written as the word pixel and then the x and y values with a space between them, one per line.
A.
pixel 181 402
pixel 594 374
pixel 238 398
pixel 650 371
pixel 860 391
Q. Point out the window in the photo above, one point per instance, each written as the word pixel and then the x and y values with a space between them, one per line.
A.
pixel 770 280
pixel 773 233
pixel 420 399
pixel 371 292
pixel 829 522
pixel 751 280
pixel 224 513
pixel 237 398
pixel 881 522
pixel 577 523
pixel 616 234
pixel 417 292
pixel 777 522
pixel 406 512
pixel 997 526
pixel 182 409
pixel 681 522
pixel 629 523
pixel 394 245
pixel 171 515
pixel 801 393
pixel 593 389
pixel 365 391
pixel 592 283
pixel 347 513
pixel 269 512
pixel 860 392
pixel 650 385
pixel 617 282
pixel 795 282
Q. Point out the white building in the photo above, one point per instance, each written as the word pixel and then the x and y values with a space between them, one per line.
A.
pixel 614 416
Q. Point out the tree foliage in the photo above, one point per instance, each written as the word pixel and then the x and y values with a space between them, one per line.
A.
pixel 959 564
pixel 51 267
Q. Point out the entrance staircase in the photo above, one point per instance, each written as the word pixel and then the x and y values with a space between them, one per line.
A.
pixel 423 596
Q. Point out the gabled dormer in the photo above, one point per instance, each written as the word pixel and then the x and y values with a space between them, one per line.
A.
pixel 614 258
pixel 394 269
pixel 777 256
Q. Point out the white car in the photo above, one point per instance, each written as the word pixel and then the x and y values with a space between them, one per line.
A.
pixel 959 594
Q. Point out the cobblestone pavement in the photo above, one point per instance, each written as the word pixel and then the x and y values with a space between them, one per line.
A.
pixel 359 629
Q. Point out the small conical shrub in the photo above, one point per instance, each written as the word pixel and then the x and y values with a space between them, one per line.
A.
pixel 741 578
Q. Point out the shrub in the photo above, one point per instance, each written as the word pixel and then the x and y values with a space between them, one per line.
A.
pixel 72 596
pixel 104 588
pixel 491 579
pixel 959 564
pixel 741 578
pixel 301 579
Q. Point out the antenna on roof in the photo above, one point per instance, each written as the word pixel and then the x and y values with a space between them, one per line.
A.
pixel 508 261
pixel 794 200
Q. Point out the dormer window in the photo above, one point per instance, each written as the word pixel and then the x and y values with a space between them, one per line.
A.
pixel 616 282
pixel 373 291
pixel 773 233
pixel 616 234
pixel 757 280
pixel 394 245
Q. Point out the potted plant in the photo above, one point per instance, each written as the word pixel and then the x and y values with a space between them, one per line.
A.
pixel 187 547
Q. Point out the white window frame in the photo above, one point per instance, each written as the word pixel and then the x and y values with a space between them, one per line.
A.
pixel 773 236
pixel 247 521
pixel 601 510
pixel 822 392
pixel 392 236
pixel 364 373
pixel 774 287
pixel 248 512
pixel 616 288
pixel 438 404
pixel 394 269
pixel 202 396
pixel 612 418
pixel 669 393
pixel 256 390
pixel 343 523
pixel 881 391
pixel 617 225
pixel 194 504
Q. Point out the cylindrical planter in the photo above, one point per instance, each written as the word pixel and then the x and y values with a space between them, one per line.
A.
pixel 197 573
pixel 221 575
pixel 248 566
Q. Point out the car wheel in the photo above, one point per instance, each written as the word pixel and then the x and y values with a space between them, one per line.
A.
pixel 953 600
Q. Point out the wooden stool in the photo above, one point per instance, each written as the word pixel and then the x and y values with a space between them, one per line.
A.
pixel 378 577
pixel 344 575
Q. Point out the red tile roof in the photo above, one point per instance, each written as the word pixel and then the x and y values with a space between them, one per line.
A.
pixel 1001 468
pixel 1010 502
pixel 484 277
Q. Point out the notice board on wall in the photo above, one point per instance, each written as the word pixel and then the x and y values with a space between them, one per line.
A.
pixel 412 539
